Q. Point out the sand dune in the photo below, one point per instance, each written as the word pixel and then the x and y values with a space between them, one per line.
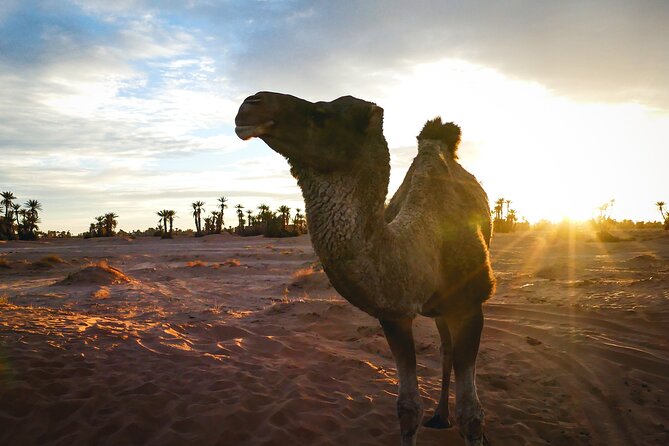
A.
pixel 170 343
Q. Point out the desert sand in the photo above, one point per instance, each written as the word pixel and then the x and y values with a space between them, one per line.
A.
pixel 223 340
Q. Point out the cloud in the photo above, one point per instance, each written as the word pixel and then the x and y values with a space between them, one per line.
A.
pixel 73 85
pixel 597 50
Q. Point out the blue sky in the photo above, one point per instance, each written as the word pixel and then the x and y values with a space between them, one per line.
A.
pixel 129 106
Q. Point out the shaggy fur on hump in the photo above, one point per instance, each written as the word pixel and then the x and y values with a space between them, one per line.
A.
pixel 448 133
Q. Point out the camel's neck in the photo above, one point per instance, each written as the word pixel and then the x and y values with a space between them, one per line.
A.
pixel 345 210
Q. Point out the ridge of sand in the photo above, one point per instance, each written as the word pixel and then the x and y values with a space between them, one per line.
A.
pixel 100 273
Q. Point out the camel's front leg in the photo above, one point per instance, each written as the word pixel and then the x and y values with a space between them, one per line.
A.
pixel 440 419
pixel 466 329
pixel 409 406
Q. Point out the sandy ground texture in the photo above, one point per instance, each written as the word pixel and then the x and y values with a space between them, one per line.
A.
pixel 223 340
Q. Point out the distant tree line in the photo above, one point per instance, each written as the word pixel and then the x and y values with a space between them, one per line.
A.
pixel 279 223
pixel 505 218
pixel 19 223
pixel 103 226
pixel 270 223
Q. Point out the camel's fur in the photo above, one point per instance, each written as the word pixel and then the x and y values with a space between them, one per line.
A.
pixel 426 253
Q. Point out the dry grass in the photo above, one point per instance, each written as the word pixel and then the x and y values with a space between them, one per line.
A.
pixel 53 259
pixel 4 299
pixel 101 293
pixel 48 262
pixel 232 262
pixel 310 278
pixel 303 273
pixel 4 263
pixel 195 264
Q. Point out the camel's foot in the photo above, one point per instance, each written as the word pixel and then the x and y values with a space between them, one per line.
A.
pixel 409 441
pixel 410 411
pixel 436 422
pixel 480 441
pixel 472 432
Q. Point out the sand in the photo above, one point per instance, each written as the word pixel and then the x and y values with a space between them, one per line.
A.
pixel 241 341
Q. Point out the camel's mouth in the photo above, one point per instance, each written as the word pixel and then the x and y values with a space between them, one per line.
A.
pixel 253 131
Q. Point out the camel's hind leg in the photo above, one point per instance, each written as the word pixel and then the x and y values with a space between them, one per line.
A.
pixel 465 327
pixel 409 406
pixel 440 419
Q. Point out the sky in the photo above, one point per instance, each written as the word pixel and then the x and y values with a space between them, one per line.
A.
pixel 128 106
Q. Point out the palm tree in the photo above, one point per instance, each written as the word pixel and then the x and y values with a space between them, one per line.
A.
pixel 100 225
pixel 170 217
pixel 7 198
pixel 240 216
pixel 23 225
pixel 197 212
pixel 285 215
pixel 249 217
pixel 32 217
pixel 163 216
pixel 499 208
pixel 660 206
pixel 511 216
pixel 8 221
pixel 223 206
pixel 110 223
pixel 665 217
pixel 16 208
pixel 215 219
pixel 298 220
pixel 264 214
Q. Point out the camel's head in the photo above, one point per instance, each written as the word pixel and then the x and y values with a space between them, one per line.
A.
pixel 325 136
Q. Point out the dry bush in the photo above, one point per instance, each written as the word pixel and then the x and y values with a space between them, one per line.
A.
pixel 232 262
pixel 4 263
pixel 310 278
pixel 195 263
pixel 41 264
pixel 302 273
pixel 53 258
pixel 101 293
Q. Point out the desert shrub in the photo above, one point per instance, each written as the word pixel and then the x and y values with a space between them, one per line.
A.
pixel 41 264
pixel 607 237
pixel 53 259
pixel 232 262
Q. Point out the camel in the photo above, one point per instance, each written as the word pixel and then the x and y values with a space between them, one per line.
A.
pixel 426 253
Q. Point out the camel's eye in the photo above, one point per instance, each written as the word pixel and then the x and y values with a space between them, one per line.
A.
pixel 319 116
